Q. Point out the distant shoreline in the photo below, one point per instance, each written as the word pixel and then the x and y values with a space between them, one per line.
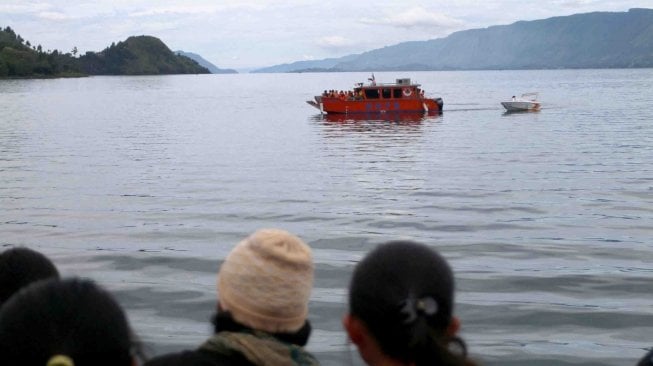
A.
pixel 74 75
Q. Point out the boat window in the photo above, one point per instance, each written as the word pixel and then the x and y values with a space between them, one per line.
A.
pixel 387 93
pixel 372 93
pixel 396 93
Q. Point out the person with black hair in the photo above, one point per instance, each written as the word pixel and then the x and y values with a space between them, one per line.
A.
pixel 70 322
pixel 646 360
pixel 401 308
pixel 21 266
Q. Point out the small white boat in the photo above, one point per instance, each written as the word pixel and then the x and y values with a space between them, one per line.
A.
pixel 527 102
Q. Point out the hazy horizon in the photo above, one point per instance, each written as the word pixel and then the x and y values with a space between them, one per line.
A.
pixel 251 34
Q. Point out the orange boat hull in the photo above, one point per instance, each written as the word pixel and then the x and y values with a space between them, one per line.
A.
pixel 337 105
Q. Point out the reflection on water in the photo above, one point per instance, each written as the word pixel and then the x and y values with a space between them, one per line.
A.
pixel 146 183
pixel 508 113
pixel 392 127
pixel 398 117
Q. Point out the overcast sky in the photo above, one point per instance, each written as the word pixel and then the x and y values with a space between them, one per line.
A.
pixel 244 34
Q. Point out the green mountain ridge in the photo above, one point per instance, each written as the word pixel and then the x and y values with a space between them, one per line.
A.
pixel 140 55
pixel 589 40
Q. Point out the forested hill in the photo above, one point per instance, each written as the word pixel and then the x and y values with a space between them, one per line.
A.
pixel 141 55
pixel 19 58
pixel 590 40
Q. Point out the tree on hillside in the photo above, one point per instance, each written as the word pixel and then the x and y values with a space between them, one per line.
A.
pixel 19 58
pixel 3 68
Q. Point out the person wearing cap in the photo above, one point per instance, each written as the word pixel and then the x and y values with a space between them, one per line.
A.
pixel 264 286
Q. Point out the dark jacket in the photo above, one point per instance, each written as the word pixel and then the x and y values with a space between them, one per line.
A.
pixel 646 360
pixel 224 324
pixel 199 357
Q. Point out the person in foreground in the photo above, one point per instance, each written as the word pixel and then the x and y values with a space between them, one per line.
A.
pixel 400 308
pixel 646 360
pixel 21 266
pixel 264 286
pixel 70 322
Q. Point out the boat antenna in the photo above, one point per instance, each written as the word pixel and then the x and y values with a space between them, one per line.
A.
pixel 372 79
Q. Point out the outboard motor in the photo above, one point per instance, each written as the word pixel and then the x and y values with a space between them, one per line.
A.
pixel 440 103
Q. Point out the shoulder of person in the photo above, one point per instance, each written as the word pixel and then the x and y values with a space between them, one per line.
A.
pixel 646 360
pixel 198 358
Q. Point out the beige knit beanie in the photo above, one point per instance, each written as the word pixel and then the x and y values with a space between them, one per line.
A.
pixel 266 281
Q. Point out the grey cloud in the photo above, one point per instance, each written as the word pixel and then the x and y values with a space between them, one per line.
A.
pixel 416 17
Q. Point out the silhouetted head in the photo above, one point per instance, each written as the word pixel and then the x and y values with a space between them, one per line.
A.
pixel 20 267
pixel 71 319
pixel 401 295
pixel 646 360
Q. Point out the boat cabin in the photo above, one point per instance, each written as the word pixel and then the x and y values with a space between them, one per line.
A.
pixel 401 89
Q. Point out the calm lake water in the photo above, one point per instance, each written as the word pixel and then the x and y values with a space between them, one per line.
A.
pixel 145 183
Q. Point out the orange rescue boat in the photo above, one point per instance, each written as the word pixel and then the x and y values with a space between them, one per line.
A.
pixel 401 96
